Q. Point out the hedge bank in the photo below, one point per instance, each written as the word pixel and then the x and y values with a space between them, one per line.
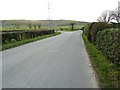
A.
pixel 8 37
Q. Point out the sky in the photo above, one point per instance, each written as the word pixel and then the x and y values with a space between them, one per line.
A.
pixel 80 10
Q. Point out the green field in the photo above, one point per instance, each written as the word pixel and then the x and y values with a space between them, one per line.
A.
pixel 43 24
pixel 15 25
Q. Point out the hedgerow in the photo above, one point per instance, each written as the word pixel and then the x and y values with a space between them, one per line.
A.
pixel 105 37
pixel 104 51
pixel 107 42
pixel 8 37
pixel 92 28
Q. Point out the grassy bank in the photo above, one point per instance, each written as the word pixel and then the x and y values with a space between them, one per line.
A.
pixel 105 71
pixel 15 44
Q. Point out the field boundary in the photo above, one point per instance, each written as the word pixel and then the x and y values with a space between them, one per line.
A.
pixel 18 43
pixel 106 72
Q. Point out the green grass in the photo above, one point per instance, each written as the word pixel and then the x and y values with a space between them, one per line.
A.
pixel 68 27
pixel 18 43
pixel 106 72
pixel 65 28
pixel 11 28
pixel 23 24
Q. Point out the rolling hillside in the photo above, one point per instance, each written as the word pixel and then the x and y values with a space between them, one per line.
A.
pixel 42 22
pixel 24 24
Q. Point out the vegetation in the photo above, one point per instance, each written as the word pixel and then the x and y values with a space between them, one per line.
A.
pixel 92 28
pixel 15 43
pixel 68 28
pixel 72 23
pixel 22 35
pixel 38 24
pixel 107 42
pixel 102 43
pixel 18 32
pixel 106 72
pixel 110 15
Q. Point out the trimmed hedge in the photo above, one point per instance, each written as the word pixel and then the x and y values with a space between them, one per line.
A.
pixel 18 43
pixel 107 42
pixel 106 71
pixel 115 25
pixel 96 27
pixel 87 30
pixel 92 28
pixel 105 37
pixel 8 37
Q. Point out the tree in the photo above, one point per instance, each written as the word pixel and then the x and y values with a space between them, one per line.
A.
pixel 109 15
pixel 30 26
pixel 72 25
pixel 116 14
pixel 106 16
pixel 39 26
pixel 35 26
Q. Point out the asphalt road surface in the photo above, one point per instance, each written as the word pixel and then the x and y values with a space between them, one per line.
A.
pixel 56 62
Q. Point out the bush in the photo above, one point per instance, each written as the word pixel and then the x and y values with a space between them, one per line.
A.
pixel 106 71
pixel 87 30
pixel 22 35
pixel 107 42
pixel 105 38
pixel 115 25
pixel 99 26
pixel 92 28
pixel 13 41
pixel 18 43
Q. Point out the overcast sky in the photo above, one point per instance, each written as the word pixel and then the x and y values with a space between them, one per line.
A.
pixel 81 10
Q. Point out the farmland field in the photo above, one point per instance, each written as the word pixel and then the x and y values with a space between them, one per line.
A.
pixel 18 30
pixel 8 25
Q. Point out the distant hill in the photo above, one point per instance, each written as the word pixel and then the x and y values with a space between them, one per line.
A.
pixel 42 22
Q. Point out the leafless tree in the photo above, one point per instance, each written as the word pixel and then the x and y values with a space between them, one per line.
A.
pixel 116 14
pixel 109 15
pixel 106 16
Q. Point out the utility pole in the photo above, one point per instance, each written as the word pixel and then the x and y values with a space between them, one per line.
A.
pixel 49 21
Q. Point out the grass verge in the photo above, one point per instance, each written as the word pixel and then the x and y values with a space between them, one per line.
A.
pixel 106 72
pixel 18 43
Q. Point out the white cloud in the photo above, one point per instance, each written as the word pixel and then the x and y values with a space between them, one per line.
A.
pixel 85 10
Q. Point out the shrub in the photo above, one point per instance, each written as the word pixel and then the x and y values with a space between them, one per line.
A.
pixel 107 42
pixel 87 30
pixel 92 28
pixel 22 35
pixel 99 26
pixel 6 41
pixel 115 25
pixel 106 71
pixel 13 41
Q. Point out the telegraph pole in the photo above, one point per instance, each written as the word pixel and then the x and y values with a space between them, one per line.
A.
pixel 49 23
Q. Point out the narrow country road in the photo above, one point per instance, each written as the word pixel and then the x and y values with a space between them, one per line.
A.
pixel 56 62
